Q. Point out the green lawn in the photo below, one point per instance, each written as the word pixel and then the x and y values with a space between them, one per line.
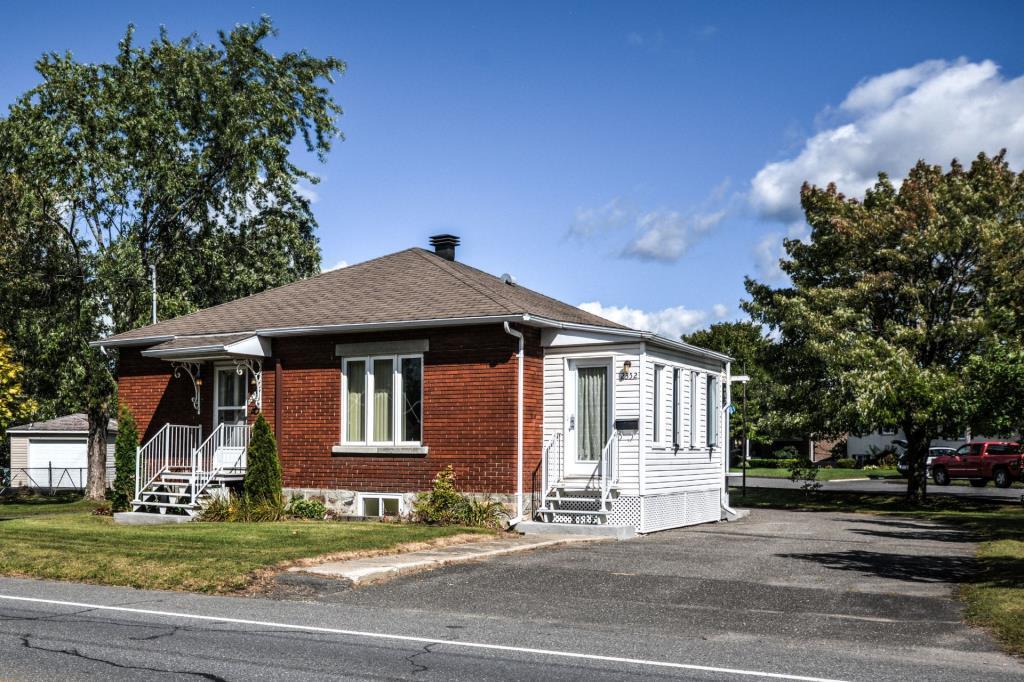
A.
pixel 66 542
pixel 995 598
pixel 823 474
pixel 35 505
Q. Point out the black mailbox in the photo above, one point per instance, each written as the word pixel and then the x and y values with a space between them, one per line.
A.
pixel 627 424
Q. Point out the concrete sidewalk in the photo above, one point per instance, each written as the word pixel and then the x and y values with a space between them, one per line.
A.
pixel 375 569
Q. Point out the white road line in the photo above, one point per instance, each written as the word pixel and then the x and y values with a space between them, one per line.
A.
pixel 425 640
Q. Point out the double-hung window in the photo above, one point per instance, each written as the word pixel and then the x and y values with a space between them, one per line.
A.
pixel 659 401
pixel 677 407
pixel 712 411
pixel 693 409
pixel 383 400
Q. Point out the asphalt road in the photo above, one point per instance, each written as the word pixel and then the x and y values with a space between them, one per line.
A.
pixel 822 596
pixel 891 487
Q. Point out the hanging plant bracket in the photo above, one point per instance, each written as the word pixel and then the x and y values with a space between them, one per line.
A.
pixel 192 370
pixel 254 367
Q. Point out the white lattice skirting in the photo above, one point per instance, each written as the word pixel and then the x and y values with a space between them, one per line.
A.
pixel 680 509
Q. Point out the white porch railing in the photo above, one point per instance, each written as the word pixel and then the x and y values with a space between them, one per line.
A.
pixel 171 446
pixel 223 451
pixel 605 471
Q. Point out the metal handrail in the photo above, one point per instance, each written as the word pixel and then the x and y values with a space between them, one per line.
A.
pixel 172 445
pixel 227 440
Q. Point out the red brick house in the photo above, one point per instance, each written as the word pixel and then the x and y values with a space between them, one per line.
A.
pixel 376 376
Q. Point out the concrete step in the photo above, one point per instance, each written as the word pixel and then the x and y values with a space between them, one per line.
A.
pixel 135 518
pixel 605 530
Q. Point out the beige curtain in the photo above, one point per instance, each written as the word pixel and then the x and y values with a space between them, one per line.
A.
pixel 383 392
pixel 591 411
pixel 355 418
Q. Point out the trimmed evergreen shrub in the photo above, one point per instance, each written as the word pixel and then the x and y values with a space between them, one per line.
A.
pixel 262 482
pixel 126 446
pixel 766 463
pixel 846 463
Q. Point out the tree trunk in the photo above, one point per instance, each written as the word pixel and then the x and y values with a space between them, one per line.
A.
pixel 917 458
pixel 96 485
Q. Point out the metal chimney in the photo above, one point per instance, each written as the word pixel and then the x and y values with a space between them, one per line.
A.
pixel 444 245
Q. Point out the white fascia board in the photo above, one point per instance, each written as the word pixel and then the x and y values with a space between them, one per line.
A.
pixel 651 337
pixel 253 346
pixel 183 352
pixel 140 341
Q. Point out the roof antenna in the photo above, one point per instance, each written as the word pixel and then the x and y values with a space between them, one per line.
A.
pixel 152 279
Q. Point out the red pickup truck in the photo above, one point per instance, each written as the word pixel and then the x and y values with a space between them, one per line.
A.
pixel 999 461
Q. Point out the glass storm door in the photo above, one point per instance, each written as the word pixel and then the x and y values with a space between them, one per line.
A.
pixel 231 388
pixel 589 415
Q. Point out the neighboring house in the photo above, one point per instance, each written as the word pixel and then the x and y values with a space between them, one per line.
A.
pixel 868 445
pixel 819 450
pixel 55 453
pixel 376 376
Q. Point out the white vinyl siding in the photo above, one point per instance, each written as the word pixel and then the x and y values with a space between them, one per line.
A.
pixel 625 397
pixel 690 465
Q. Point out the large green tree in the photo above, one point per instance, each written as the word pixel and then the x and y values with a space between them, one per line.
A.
pixel 899 309
pixel 177 155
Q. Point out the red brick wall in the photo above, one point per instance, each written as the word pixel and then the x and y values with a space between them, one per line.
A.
pixel 469 410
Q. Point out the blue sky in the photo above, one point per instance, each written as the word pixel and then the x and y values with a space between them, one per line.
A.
pixel 638 157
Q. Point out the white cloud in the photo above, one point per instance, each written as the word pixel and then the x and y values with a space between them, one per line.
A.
pixel 666 235
pixel 935 110
pixel 337 266
pixel 720 310
pixel 307 193
pixel 670 322
pixel 660 234
pixel 769 251
pixel 612 215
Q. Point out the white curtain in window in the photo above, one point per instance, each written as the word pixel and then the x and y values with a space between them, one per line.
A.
pixel 592 412
pixel 383 392
pixel 355 417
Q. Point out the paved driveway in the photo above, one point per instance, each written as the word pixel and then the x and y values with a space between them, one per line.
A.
pixel 823 596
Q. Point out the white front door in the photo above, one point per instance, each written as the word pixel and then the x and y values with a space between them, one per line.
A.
pixel 588 407
pixel 231 391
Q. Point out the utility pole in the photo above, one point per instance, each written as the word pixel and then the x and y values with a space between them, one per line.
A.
pixel 152 279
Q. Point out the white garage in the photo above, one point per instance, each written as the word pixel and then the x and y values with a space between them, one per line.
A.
pixel 54 454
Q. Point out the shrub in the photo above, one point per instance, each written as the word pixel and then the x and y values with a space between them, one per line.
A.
pixel 846 463
pixel 763 463
pixel 263 468
pixel 483 513
pixel 788 452
pixel 805 472
pixel 443 504
pixel 307 509
pixel 241 510
pixel 888 460
pixel 126 446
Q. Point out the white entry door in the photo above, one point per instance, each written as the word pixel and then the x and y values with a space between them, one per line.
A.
pixel 588 404
pixel 231 409
pixel 231 392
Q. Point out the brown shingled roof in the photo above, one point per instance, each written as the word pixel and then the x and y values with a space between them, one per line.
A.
pixel 414 284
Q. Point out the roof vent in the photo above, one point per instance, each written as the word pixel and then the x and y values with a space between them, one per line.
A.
pixel 444 245
pixel 508 279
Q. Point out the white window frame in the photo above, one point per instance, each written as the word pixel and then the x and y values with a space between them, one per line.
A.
pixel 677 408
pixel 659 404
pixel 711 434
pixel 397 404
pixel 380 497
pixel 217 407
pixel 694 409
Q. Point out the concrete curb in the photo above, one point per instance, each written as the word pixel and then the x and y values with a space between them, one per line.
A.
pixel 376 569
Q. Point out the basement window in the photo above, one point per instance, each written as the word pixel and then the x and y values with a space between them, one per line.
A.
pixel 374 504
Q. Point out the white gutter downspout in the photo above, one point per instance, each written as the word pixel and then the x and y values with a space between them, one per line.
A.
pixel 519 426
pixel 725 450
